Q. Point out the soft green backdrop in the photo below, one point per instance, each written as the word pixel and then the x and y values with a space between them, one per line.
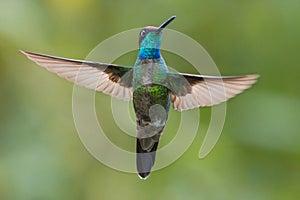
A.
pixel 258 154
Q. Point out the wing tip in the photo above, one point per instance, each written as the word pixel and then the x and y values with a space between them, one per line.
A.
pixel 24 52
pixel 27 53
pixel 253 76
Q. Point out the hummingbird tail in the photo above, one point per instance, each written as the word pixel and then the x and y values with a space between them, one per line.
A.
pixel 145 157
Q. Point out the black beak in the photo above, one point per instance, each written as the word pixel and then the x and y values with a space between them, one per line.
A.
pixel 166 23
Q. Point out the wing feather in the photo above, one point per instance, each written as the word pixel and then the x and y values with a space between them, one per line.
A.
pixel 111 79
pixel 207 90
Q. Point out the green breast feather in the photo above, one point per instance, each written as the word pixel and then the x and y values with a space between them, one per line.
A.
pixel 146 96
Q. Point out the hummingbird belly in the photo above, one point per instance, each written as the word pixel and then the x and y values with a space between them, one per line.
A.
pixel 151 105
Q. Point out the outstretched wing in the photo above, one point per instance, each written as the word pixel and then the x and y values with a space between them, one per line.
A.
pixel 198 91
pixel 110 79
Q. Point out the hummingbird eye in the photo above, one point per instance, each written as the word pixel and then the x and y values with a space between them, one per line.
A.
pixel 143 33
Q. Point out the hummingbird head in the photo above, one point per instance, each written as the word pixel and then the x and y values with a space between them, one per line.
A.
pixel 150 40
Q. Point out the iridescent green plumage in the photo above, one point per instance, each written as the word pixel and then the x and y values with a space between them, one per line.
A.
pixel 151 95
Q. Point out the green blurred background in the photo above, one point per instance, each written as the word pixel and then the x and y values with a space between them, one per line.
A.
pixel 258 154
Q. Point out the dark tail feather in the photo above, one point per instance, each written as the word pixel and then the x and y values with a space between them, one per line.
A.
pixel 145 159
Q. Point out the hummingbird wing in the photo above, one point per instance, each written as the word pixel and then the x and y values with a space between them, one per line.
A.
pixel 198 91
pixel 111 79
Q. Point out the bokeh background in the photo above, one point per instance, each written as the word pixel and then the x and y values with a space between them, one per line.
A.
pixel 258 154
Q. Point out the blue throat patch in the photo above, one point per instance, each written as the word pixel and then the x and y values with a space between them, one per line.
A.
pixel 150 53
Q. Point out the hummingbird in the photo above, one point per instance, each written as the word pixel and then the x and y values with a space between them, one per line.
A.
pixel 151 87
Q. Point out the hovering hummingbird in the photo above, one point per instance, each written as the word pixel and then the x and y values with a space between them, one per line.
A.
pixel 151 86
